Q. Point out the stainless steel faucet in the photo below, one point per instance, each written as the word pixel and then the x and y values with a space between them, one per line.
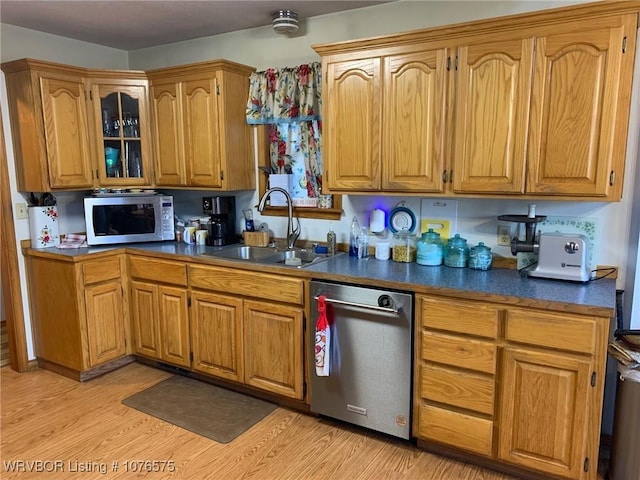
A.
pixel 292 233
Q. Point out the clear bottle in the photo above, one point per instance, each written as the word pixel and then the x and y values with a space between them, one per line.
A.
pixel 456 252
pixel 363 243
pixel 353 237
pixel 331 240
pixel 430 249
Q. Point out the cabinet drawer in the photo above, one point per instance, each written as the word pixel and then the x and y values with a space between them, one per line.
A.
pixel 464 390
pixel 456 429
pixel 100 270
pixel 161 271
pixel 470 318
pixel 459 352
pixel 250 284
pixel 553 330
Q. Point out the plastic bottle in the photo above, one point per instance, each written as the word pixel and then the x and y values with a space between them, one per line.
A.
pixel 363 243
pixel 353 237
pixel 331 240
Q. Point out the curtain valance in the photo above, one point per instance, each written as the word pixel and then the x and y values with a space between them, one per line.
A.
pixel 290 94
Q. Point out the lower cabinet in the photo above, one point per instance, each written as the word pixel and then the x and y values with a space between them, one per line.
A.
pixel 79 313
pixel 519 386
pixel 248 337
pixel 216 331
pixel 273 348
pixel 159 310
pixel 105 322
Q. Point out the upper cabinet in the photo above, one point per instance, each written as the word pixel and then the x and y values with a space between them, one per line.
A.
pixel 386 122
pixel 580 108
pixel 200 132
pixel 49 125
pixel 533 105
pixel 73 128
pixel 121 130
pixel 491 116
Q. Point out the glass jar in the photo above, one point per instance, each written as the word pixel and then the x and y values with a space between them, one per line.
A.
pixel 404 247
pixel 480 257
pixel 456 252
pixel 430 249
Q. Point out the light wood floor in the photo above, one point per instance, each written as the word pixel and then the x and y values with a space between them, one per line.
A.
pixel 84 426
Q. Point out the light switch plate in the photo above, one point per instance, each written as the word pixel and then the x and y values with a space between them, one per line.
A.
pixel 21 211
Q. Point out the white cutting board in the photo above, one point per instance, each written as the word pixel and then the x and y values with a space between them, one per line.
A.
pixel 440 214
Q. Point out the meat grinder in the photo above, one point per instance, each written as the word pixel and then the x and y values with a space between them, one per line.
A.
pixel 561 256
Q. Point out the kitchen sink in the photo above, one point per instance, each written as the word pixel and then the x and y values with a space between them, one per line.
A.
pixel 299 258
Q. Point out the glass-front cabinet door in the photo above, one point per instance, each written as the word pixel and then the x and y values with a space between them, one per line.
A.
pixel 122 144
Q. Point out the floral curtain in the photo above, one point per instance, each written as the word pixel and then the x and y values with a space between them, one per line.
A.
pixel 289 101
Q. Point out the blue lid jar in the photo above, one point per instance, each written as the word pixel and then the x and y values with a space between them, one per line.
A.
pixel 430 249
pixel 480 257
pixel 456 252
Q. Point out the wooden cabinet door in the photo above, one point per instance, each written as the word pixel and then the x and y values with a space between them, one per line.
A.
pixel 492 110
pixel 174 325
pixel 352 125
pixel 579 110
pixel 168 135
pixel 105 322
pixel 216 329
pixel 273 348
pixel 201 132
pixel 66 132
pixel 144 317
pixel 414 118
pixel 543 411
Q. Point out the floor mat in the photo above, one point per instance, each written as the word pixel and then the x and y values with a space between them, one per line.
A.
pixel 208 410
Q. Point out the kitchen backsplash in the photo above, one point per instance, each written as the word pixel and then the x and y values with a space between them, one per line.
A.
pixel 474 219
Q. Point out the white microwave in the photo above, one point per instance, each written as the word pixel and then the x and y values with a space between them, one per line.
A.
pixel 125 218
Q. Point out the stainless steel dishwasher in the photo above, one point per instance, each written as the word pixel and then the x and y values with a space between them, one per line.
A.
pixel 369 381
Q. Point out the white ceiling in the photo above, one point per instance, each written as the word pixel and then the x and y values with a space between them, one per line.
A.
pixel 133 24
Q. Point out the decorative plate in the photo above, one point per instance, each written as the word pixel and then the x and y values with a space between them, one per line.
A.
pixel 401 218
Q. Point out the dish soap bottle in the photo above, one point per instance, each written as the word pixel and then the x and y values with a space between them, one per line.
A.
pixel 353 237
pixel 331 240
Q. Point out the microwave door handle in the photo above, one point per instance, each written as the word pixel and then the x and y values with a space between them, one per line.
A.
pixel 376 308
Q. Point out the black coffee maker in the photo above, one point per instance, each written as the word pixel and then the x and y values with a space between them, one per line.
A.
pixel 222 226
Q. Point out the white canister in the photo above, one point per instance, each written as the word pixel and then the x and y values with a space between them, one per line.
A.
pixel 43 227
pixel 201 237
pixel 383 250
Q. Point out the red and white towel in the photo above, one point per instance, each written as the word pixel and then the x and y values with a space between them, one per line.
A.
pixel 73 240
pixel 323 338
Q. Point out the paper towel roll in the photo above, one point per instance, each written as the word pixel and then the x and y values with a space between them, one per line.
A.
pixel 376 220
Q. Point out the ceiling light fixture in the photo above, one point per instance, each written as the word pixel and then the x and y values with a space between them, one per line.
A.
pixel 285 22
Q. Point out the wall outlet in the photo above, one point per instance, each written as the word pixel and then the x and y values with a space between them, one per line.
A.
pixel 504 235
pixel 21 211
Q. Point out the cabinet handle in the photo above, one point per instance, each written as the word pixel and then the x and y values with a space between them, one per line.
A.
pixel 394 311
pixel 612 178
pixel 450 176
pixel 444 176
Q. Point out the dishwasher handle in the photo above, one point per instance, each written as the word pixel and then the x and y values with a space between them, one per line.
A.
pixel 394 311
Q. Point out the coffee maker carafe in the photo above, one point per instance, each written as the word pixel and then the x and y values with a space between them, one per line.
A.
pixel 222 211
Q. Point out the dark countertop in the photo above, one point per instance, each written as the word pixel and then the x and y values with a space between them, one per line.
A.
pixel 497 284
pixel 597 297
